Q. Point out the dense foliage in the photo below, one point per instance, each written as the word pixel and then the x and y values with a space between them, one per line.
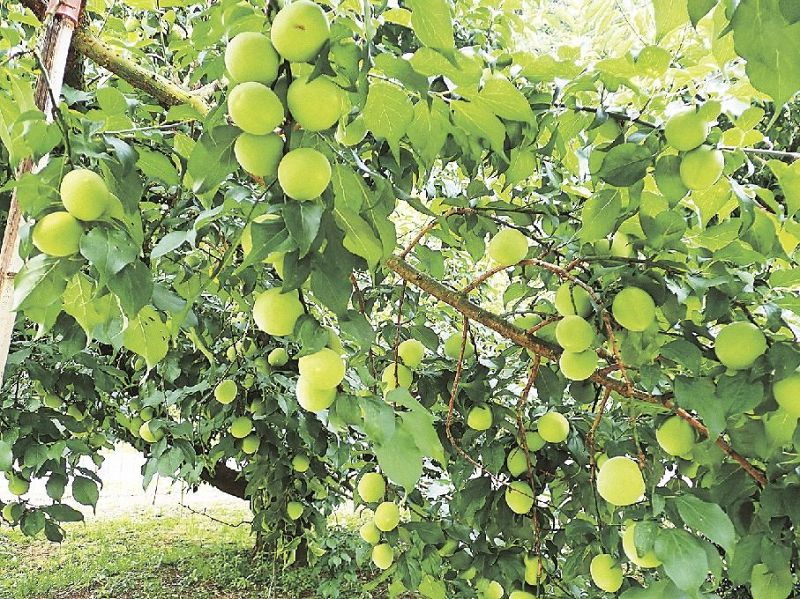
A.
pixel 628 358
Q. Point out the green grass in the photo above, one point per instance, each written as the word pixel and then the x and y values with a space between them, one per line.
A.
pixel 151 557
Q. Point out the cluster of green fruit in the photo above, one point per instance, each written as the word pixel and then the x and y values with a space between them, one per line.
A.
pixel 372 489
pixel 85 198
pixel 299 32
pixel 699 165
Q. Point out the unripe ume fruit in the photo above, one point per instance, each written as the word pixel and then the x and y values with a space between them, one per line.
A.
pixel 519 497
pixel 452 347
pixel 225 392
pixel 304 174
pixel 147 434
pixel 387 516
pixel 276 312
pixel 574 333
pixel 17 485
pixel 300 463
pixel 619 481
pixel 323 369
pixel 739 344
pixel 278 357
pixel 646 560
pixel 259 155
pixel 787 393
pixel 606 573
pixel 508 247
pixel 371 487
pixel 516 462
pixel 676 436
pixel 313 398
pixel 686 130
pixel 573 299
pixel 255 108
pixel 299 31
pixel 250 57
pixel 534 570
pixel 701 168
pixel 315 105
pixel 578 366
pixel 84 194
pixel 521 595
pixel 57 234
pixel 382 556
pixel 370 533
pixel 479 418
pixel 294 510
pixel 634 309
pixel 251 443
pixel 411 352
pixel 553 427
pixel 668 178
pixel 241 427
pixel 396 375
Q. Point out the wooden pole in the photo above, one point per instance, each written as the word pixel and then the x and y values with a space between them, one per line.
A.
pixel 62 20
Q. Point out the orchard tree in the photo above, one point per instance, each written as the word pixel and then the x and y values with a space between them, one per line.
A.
pixel 531 304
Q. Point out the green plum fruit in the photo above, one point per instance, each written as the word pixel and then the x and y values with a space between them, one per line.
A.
pixel 787 393
pixel 251 443
pixel 739 344
pixel 276 312
pixel 395 375
pixel 411 352
pixel 452 347
pixel 534 570
pixel 312 398
pixel 606 573
pixel 521 595
pixel 383 556
pixel 634 309
pixel 686 130
pixel 668 178
pixel 255 108
pixel 621 246
pixel 620 482
pixel 259 155
pixel 370 533
pixel 241 427
pixel 57 234
pixel 225 392
pixel 516 462
pixel 147 434
pixel 573 299
pixel 250 56
pixel 315 105
pixel 17 485
pixel 300 30
pixel 479 418
pixel 648 560
pixel 304 174
pixel 387 516
pixel 574 333
pixel 553 427
pixel 371 487
pixel 301 463
pixel 701 168
pixel 84 194
pixel 294 509
pixel 323 369
pixel 578 366
pixel 519 497
pixel 278 357
pixel 534 441
pixel 492 590
pixel 508 247
pixel 676 436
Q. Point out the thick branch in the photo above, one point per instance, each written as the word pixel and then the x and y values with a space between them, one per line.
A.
pixel 522 338
pixel 226 480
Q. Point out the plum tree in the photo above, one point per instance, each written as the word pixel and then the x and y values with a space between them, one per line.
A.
pixel 396 375
pixel 573 299
pixel 315 105
pixel 787 393
pixel 57 234
pixel 508 247
pixel 300 463
pixel 646 560
pixel 519 497
pixel 276 312
pixel 313 398
pixel 323 369
pixel 294 509
pixel 411 352
pixel 278 357
pixel 739 344
pixel 383 556
pixel 701 168
pixel 676 436
pixel 304 173
pixel 534 569
pixel 259 155
pixel 620 482
pixel 479 418
pixel 553 427
pixel 370 533
pixel 578 366
pixel 686 129
pixel 255 108
pixel 452 347
pixel 574 333
pixel 249 56
pixel 225 392
pixel 387 516
pixel 634 309
pixel 84 194
pixel 606 572
pixel 668 178
pixel 300 30
pixel 371 487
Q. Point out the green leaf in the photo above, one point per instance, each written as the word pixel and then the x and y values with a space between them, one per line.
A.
pixel 109 250
pixel 348 188
pixel 625 164
pixel 684 558
pixel 111 100
pixel 428 131
pixel 669 15
pixel 63 513
pixel 698 394
pixel 771 47
pixel 133 285
pixel 699 8
pixel 212 159
pixel 599 214
pixel 766 584
pixel 388 113
pixel 302 221
pixel 147 336
pixel 359 238
pixel 55 486
pixel 477 119
pixel 6 456
pixel 32 523
pixel 707 518
pixel 400 458
pixel 79 302
pixel 85 491
pixel 154 165
pixel 379 422
pixel 432 23
pixel 507 102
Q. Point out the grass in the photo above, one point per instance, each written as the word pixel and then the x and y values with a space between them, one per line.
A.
pixel 174 556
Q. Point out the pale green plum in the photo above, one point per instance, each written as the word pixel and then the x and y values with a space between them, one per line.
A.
pixel 300 463
pixel 323 369
pixel 370 533
pixel 634 309
pixel 57 234
pixel 371 487
pixel 411 352
pixel 553 427
pixel 17 485
pixel 534 570
pixel 312 398
pixel 300 30
pixel 606 573
pixel 259 155
pixel 648 560
pixel 452 347
pixel 147 434
pixel 578 366
pixel 573 299
pixel 315 105
pixel 294 510
pixel 574 333
pixel 621 246
pixel 676 436
pixel 251 443
pixel 516 462
pixel 519 497
pixel 534 441
pixel 255 108
pixel 780 426
pixel 686 130
pixel 84 194
pixel 508 247
pixel 668 178
pixel 278 357
pixel 701 168
pixel 241 427
pixel 276 312
pixel 479 418
pixel 739 344
pixel 620 482
pixel 250 56
pixel 225 392
pixel 387 516
pixel 395 375
pixel 383 556
pixel 521 595
pixel 492 590
pixel 787 393
pixel 304 173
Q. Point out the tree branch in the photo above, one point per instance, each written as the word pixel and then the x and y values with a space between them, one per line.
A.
pixel 460 302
